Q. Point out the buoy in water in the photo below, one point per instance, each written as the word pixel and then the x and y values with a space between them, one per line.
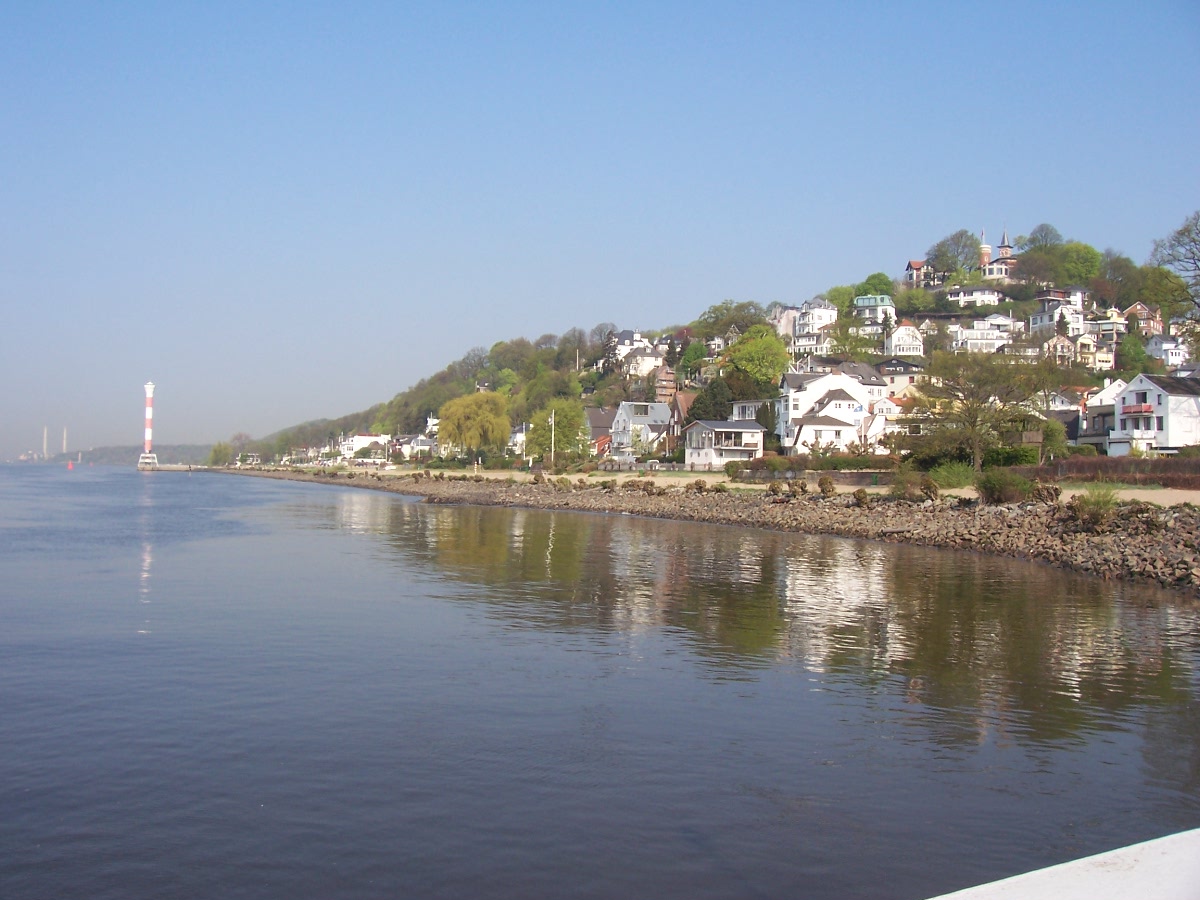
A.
pixel 70 465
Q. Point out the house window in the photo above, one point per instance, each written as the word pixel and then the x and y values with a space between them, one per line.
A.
pixel 1141 397
pixel 1159 401
pixel 1158 423
pixel 1146 423
pixel 641 409
pixel 1124 424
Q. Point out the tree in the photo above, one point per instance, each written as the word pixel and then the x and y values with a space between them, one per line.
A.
pixel 475 422
pixel 1054 440
pixel 1043 237
pixel 841 296
pixel 569 435
pixel 1180 252
pixel 848 341
pixel 714 403
pixel 221 454
pixel 691 360
pixel 958 251
pixel 761 354
pixel 1041 265
pixel 1080 262
pixel 1063 325
pixel 719 318
pixel 876 284
pixel 1163 288
pixel 974 396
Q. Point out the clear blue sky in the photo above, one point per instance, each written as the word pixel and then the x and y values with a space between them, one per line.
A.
pixel 280 212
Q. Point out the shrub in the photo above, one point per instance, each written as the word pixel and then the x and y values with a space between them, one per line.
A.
pixel 775 488
pixel 929 487
pixel 562 483
pixel 825 483
pixel 906 484
pixel 1003 486
pixel 720 488
pixel 798 487
pixel 1010 456
pixel 699 486
pixel 732 468
pixel 1090 450
pixel 862 498
pixel 1095 507
pixel 952 475
pixel 777 464
pixel 539 478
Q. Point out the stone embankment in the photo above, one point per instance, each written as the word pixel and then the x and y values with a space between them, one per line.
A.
pixel 1141 542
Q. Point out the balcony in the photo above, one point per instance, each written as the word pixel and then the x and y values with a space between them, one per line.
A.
pixel 1136 408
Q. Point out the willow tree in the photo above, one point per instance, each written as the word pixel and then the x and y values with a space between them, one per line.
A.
pixel 475 422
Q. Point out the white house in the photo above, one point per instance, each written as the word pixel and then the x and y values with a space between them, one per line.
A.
pixel 873 309
pixel 976 295
pixel 1172 351
pixel 351 444
pixel 1156 412
pixel 980 337
pixel 1046 319
pixel 639 427
pixel 898 374
pixel 905 340
pixel 822 408
pixel 709 445
pixel 640 362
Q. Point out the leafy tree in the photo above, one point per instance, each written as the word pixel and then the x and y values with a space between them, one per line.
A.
pixel 760 354
pixel 719 318
pixel 477 421
pixel 1180 252
pixel 848 342
pixel 913 301
pixel 1080 262
pixel 1043 236
pixel 1041 265
pixel 570 434
pixel 1131 354
pixel 221 454
pixel 1163 288
pixel 714 403
pixel 876 284
pixel 1054 439
pixel 842 297
pixel 1118 281
pixel 973 397
pixel 958 251
pixel 691 360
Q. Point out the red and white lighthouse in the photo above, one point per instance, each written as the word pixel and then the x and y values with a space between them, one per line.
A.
pixel 149 460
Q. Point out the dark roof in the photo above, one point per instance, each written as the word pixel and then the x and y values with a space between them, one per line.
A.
pixel 824 420
pixel 1187 386
pixel 1070 420
pixel 896 364
pixel 837 394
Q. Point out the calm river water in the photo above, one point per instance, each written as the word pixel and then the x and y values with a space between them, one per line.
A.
pixel 231 687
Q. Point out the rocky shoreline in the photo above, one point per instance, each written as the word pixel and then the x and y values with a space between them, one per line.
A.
pixel 1142 542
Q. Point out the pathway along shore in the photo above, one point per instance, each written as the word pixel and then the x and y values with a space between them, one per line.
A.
pixel 1142 542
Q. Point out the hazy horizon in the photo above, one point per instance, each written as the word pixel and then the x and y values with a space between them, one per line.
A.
pixel 283 214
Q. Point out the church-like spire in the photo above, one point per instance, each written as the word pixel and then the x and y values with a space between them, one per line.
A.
pixel 1004 240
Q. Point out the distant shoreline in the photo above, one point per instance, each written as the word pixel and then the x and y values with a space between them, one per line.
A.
pixel 1145 543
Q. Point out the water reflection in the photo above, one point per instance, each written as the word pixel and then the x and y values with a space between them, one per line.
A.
pixel 1001 651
